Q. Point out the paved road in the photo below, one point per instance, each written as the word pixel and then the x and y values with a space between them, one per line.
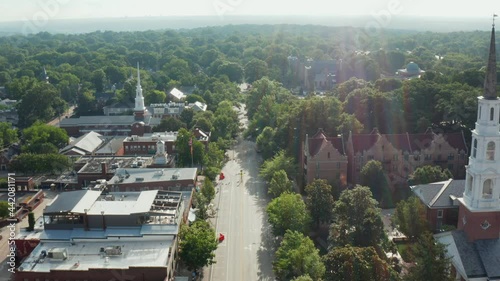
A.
pixel 247 252
pixel 38 211
pixel 68 113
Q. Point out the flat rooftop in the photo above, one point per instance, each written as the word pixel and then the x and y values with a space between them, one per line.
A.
pixel 93 164
pixel 127 176
pixel 148 137
pixel 85 254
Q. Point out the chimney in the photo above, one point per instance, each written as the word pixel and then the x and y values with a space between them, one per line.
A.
pixel 104 168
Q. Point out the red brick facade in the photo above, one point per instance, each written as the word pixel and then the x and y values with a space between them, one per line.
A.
pixel 478 225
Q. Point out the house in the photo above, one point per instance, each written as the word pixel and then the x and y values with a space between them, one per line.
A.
pixel 176 95
pixel 474 248
pixel 96 235
pixel 325 158
pixel 319 75
pixel 440 200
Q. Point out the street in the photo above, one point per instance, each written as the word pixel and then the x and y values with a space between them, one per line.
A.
pixel 247 251
pixel 4 250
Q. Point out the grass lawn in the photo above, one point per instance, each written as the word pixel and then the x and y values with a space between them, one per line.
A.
pixel 406 251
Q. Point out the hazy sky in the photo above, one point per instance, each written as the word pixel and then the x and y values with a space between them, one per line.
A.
pixel 55 9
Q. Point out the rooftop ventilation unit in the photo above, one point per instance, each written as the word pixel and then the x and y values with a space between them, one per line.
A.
pixel 139 179
pixel 57 254
pixel 113 250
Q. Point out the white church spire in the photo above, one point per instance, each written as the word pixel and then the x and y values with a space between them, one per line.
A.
pixel 139 98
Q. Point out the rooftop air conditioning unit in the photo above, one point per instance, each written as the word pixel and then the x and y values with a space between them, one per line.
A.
pixel 113 250
pixel 57 254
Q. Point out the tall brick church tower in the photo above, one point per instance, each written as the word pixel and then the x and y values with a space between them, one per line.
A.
pixel 479 212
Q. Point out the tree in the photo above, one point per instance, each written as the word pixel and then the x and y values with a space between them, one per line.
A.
pixel 99 80
pixel 40 163
pixel 288 212
pixel 41 103
pixel 427 174
pixel 255 70
pixel 303 278
pixel 208 189
pixel 8 135
pixel 297 256
pixel 357 220
pixel 431 261
pixel 356 264
pixel 279 184
pixel 39 133
pixel 279 162
pixel 373 176
pixel 4 209
pixel 185 157
pixel 87 104
pixel 197 244
pixel 265 142
pixel 319 201
pixel 186 117
pixel 232 70
pixel 169 124
pixel 155 96
pixel 410 217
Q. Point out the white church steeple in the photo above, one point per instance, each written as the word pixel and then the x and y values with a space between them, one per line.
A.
pixel 482 185
pixel 139 98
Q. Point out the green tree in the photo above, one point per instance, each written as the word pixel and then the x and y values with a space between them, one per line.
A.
pixel 427 174
pixel 25 163
pixel 279 162
pixel 265 142
pixel 303 278
pixel 288 212
pixel 98 80
pixel 297 256
pixel 86 103
pixel 186 117
pixel 213 160
pixel 8 134
pixel 39 133
pixel 41 103
pixel 319 201
pixel 357 220
pixel 356 264
pixel 431 261
pixel 410 217
pixel 208 189
pixel 279 184
pixel 255 70
pixel 185 157
pixel 169 124
pixel 232 70
pixel 197 244
pixel 4 209
pixel 373 176
pixel 155 96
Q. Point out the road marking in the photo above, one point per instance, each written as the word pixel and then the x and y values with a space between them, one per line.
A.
pixel 249 247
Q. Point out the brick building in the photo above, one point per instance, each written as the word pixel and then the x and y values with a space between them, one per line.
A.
pixel 325 158
pixel 173 179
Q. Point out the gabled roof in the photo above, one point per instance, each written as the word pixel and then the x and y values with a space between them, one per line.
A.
pixel 319 140
pixel 198 106
pixel 363 142
pixel 85 144
pixel 399 141
pixel 439 194
pixel 457 141
pixel 420 141
pixel 176 93
pixel 477 259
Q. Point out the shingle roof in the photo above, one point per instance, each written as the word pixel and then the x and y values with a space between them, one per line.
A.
pixel 468 254
pixel 363 142
pixel 320 139
pixel 437 194
pixel 399 141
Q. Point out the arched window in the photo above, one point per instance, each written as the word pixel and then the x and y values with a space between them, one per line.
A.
pixel 492 113
pixel 474 149
pixel 490 151
pixel 488 189
pixel 479 114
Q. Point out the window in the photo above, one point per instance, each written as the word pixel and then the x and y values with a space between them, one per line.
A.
pixel 338 165
pixel 451 156
pixel 440 214
pixel 492 113
pixel 469 183
pixel 479 112
pixel 428 157
pixel 485 225
pixel 488 189
pixel 395 157
pixel 406 157
pixel 490 151
pixel 328 155
pixel 474 149
pixel 370 157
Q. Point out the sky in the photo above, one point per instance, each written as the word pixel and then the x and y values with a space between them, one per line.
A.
pixel 14 10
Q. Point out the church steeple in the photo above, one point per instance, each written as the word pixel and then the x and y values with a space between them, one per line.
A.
pixel 139 98
pixel 490 82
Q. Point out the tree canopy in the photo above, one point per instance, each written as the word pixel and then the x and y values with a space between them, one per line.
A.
pixel 288 212
pixel 410 217
pixel 297 256
pixel 320 201
pixel 197 244
pixel 428 174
